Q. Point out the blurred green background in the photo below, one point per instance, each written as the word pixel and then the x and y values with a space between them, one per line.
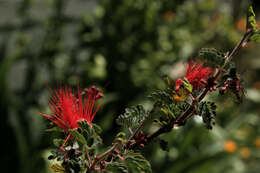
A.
pixel 127 46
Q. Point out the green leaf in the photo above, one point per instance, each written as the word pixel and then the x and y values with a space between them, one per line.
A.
pixel 208 112
pixel 96 140
pixel 132 117
pixel 252 26
pixel 79 137
pixel 161 96
pixel 212 57
pixel 171 110
pixel 120 137
pixel 251 21
pixel 116 167
pixel 187 85
pixel 54 129
pixel 84 125
pixel 255 37
pixel 90 132
pixel 58 142
pixel 97 128
pixel 136 163
pixel 57 168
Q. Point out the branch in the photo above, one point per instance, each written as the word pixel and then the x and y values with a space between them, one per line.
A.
pixel 239 45
pixel 189 112
pixel 99 158
pixel 139 127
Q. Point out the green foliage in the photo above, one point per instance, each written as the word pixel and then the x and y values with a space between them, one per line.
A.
pixel 162 97
pixel 171 110
pixel 251 21
pixel 232 82
pixel 88 134
pixel 212 57
pixel 207 110
pixel 255 37
pixel 84 138
pixel 154 36
pixel 132 117
pixel 57 168
pixel 120 138
pixel 79 137
pixel 137 163
pixel 58 142
pixel 133 162
pixel 116 167
pixel 187 85
pixel 252 25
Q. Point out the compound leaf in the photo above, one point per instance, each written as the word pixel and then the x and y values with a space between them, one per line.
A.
pixel 212 57
pixel 161 96
pixel 207 110
pixel 132 117
pixel 136 163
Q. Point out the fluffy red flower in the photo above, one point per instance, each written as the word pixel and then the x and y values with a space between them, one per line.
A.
pixel 68 107
pixel 196 74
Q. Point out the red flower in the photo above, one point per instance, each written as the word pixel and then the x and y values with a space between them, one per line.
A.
pixel 67 107
pixel 196 74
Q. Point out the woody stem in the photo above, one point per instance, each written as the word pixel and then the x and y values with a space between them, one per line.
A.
pixel 189 112
pixel 97 159
pixel 140 126
pixel 238 46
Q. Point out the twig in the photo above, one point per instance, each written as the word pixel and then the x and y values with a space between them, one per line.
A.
pixel 189 111
pixel 89 161
pixel 139 127
pixel 99 158
pixel 130 130
pixel 240 44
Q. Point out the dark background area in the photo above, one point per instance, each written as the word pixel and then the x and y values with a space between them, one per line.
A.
pixel 127 46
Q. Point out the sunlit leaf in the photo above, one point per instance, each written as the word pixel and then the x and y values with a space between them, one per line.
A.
pixel 251 21
pixel 57 168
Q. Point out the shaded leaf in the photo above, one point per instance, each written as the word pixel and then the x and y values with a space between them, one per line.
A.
pixel 97 128
pixel 171 110
pixel 161 96
pixel 208 112
pixel 212 57
pixel 116 167
pixel 79 137
pixel 54 129
pixel 132 117
pixel 58 142
pixel 136 163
